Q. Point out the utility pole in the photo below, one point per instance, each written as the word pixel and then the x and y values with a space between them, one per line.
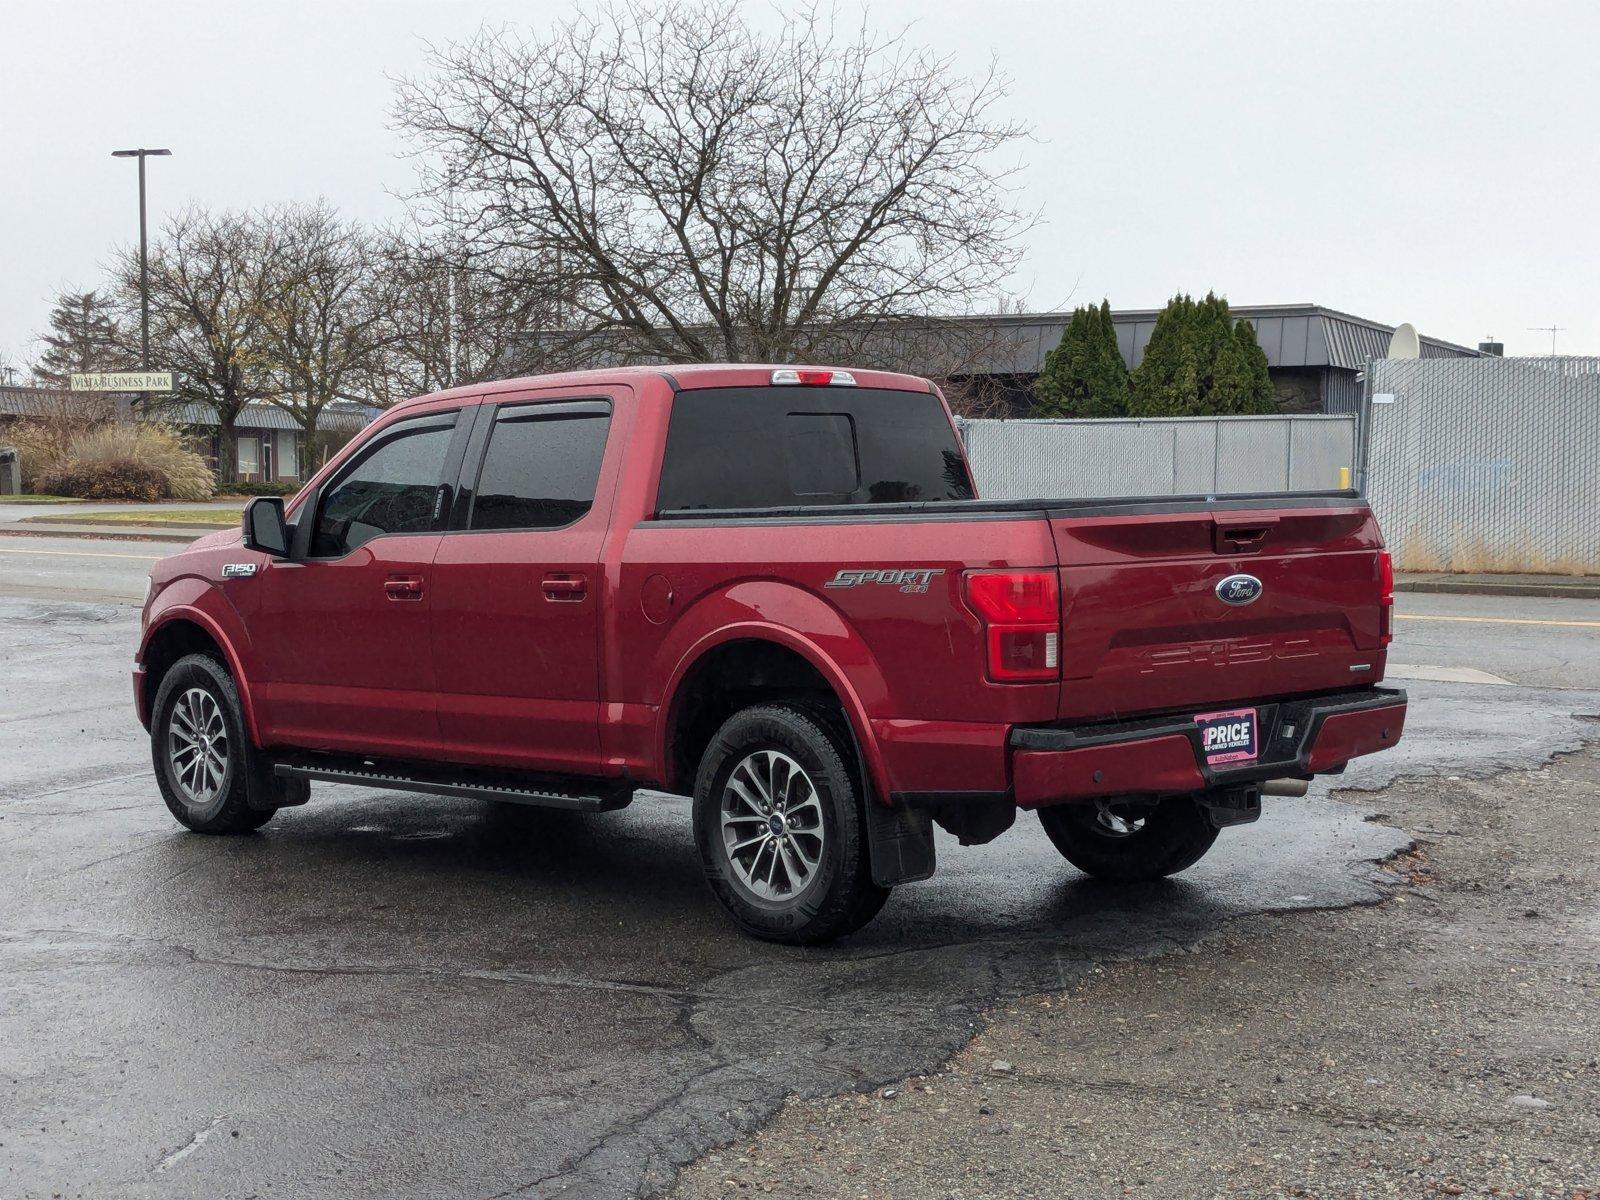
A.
pixel 1552 330
pixel 144 263
pixel 450 283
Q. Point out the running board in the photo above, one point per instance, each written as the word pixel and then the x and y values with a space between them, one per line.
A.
pixel 507 791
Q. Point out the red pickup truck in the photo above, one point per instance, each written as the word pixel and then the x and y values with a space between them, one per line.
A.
pixel 774 589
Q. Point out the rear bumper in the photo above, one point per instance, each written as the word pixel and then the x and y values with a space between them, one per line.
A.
pixel 1055 764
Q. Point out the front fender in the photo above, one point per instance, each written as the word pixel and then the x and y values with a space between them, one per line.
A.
pixel 190 598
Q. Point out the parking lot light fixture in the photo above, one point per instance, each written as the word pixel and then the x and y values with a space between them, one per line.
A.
pixel 144 265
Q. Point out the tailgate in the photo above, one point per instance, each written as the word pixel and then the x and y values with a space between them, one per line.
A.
pixel 1145 629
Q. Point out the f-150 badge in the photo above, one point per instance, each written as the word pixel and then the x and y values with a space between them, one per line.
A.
pixel 236 570
pixel 907 579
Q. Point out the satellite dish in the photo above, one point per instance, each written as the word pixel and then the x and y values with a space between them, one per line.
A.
pixel 1403 343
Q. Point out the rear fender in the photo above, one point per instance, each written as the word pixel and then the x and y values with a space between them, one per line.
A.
pixel 809 627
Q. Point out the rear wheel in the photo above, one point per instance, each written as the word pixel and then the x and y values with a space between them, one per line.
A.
pixel 778 822
pixel 202 753
pixel 1130 841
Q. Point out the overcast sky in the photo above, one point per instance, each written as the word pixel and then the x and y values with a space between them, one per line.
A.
pixel 1432 163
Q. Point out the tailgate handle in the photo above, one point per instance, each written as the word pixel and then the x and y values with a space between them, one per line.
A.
pixel 1243 538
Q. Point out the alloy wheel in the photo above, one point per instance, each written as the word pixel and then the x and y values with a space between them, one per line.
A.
pixel 772 826
pixel 197 747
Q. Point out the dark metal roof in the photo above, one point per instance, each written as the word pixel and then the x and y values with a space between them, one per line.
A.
pixel 1292 335
pixel 30 401
pixel 342 419
pixel 1015 344
pixel 37 401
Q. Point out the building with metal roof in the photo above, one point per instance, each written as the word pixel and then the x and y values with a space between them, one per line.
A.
pixel 1314 354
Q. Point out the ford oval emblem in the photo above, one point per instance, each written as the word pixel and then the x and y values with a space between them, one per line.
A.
pixel 1239 590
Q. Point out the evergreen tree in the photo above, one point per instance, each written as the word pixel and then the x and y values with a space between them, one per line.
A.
pixel 1201 362
pixel 1240 382
pixel 1084 376
pixel 1167 381
pixel 84 336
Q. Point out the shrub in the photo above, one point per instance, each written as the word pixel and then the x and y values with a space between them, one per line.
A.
pixel 257 488
pixel 183 473
pixel 41 446
pixel 108 479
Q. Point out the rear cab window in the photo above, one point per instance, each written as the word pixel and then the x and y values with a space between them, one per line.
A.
pixel 785 447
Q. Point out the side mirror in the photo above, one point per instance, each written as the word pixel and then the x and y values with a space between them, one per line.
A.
pixel 264 526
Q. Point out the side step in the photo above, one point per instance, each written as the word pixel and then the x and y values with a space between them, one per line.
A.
pixel 504 788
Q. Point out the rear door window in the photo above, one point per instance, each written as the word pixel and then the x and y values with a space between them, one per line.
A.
pixel 541 466
pixel 783 447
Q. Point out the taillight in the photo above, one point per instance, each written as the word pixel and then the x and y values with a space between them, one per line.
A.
pixel 1385 598
pixel 1021 612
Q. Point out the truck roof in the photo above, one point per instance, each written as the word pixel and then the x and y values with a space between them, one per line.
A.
pixel 681 375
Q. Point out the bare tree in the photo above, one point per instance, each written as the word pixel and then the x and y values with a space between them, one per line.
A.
pixel 208 272
pixel 447 318
pixel 12 370
pixel 85 335
pixel 322 320
pixel 699 189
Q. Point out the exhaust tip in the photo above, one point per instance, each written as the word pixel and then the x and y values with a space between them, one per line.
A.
pixel 1287 786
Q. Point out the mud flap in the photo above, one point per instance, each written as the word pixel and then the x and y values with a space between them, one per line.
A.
pixel 900 841
pixel 267 793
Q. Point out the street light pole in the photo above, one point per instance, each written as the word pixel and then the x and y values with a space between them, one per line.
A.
pixel 144 262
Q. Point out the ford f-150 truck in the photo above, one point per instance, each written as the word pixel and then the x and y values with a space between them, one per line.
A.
pixel 774 589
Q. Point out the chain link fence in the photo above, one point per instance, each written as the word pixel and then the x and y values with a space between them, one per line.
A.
pixel 1166 456
pixel 1486 464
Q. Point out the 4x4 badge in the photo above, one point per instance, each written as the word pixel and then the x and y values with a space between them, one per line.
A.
pixel 907 579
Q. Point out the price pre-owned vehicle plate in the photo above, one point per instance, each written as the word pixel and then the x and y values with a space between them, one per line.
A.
pixel 1228 737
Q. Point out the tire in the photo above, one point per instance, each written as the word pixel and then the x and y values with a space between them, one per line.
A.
pixel 1175 834
pixel 810 881
pixel 204 782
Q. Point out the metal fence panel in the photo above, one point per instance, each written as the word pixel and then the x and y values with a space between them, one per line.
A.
pixel 1168 456
pixel 1487 464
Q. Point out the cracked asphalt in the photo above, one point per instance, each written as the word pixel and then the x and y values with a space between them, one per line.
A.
pixel 383 995
pixel 1444 1043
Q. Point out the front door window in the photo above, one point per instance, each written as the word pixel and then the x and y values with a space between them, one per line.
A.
pixel 393 488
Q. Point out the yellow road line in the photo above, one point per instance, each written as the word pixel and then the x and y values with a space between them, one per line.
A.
pixel 1500 621
pixel 83 554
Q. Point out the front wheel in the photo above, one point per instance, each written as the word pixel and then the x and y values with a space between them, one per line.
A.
pixel 202 753
pixel 778 821
pixel 1128 841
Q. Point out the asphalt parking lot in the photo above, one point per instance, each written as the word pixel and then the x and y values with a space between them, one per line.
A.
pixel 382 995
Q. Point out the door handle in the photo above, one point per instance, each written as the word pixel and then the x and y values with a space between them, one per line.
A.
pixel 565 588
pixel 403 587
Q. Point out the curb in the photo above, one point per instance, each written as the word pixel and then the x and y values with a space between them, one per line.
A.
pixel 107 535
pixel 1456 587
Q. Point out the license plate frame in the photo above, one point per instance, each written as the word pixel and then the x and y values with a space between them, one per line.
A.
pixel 1229 737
